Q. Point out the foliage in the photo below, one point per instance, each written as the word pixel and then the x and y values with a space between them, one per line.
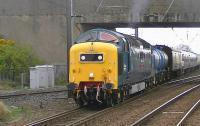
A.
pixel 13 114
pixel 6 42
pixel 3 110
pixel 17 58
pixel 9 85
pixel 61 81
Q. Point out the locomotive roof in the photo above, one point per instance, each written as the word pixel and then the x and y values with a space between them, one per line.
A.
pixel 94 34
pixel 118 36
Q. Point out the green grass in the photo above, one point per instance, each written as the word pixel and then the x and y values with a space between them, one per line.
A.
pixel 8 85
pixel 15 114
pixel 61 82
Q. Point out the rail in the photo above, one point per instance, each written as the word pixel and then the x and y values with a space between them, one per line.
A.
pixel 188 113
pixel 99 113
pixel 6 96
pixel 48 120
pixel 166 104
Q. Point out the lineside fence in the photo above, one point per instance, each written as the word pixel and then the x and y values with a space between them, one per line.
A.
pixel 22 78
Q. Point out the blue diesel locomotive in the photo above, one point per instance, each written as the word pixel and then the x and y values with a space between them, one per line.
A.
pixel 135 64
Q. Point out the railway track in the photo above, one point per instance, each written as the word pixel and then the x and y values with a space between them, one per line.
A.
pixel 64 118
pixel 89 116
pixel 192 109
pixel 28 93
pixel 192 117
pixel 185 80
pixel 155 117
pixel 9 95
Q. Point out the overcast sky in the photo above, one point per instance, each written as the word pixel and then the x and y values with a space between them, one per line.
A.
pixel 168 36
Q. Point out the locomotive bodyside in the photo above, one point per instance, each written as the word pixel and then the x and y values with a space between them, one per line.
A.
pixel 139 60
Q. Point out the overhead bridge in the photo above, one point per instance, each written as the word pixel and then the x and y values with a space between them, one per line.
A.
pixel 137 13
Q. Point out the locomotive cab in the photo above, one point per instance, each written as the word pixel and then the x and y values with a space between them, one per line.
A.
pixel 94 67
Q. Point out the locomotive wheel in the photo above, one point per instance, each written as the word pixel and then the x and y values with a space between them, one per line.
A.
pixel 80 103
pixel 122 96
pixel 109 100
pixel 117 99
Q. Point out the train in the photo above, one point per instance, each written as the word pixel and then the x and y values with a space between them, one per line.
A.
pixel 106 66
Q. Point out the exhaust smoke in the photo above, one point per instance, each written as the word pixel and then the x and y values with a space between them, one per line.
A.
pixel 137 8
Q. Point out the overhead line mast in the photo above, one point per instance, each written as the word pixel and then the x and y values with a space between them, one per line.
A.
pixel 69 31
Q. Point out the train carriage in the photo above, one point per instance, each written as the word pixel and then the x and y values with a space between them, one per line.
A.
pixel 189 60
pixel 175 63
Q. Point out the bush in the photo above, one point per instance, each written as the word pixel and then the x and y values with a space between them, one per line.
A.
pixel 15 59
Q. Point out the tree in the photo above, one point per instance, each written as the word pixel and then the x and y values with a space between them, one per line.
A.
pixel 16 59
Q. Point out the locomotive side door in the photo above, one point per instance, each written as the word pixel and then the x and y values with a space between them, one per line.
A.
pixel 123 62
pixel 126 59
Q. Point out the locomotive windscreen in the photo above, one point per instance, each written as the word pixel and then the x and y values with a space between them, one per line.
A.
pixel 91 57
pixel 98 35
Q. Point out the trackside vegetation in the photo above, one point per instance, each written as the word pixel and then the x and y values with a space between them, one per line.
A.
pixel 15 59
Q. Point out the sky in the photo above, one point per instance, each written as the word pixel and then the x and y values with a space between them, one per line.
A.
pixel 168 36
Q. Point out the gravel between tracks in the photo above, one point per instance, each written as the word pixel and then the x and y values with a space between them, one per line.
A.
pixel 129 113
pixel 171 115
pixel 194 118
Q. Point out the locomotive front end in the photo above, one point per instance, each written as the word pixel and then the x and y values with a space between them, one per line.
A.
pixel 93 72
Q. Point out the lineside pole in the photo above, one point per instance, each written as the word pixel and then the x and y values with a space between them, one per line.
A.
pixel 69 32
pixel 136 32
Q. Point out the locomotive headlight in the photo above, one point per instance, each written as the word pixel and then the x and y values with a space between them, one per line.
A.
pixel 100 57
pixel 82 57
pixel 91 75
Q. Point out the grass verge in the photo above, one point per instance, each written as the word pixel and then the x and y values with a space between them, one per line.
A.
pixel 12 114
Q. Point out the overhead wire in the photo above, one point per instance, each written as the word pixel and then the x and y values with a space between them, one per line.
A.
pixel 100 4
pixel 166 12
